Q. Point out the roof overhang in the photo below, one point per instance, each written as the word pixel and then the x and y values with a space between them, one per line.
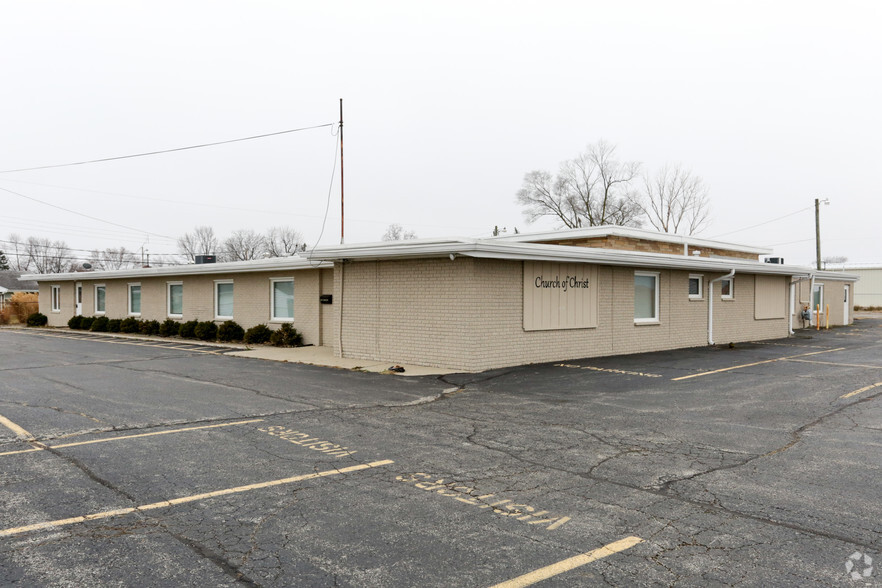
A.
pixel 294 263
pixel 527 251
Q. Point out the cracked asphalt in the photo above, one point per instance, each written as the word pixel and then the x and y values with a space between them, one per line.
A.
pixel 125 465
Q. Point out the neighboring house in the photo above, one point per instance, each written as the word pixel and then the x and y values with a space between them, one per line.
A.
pixel 10 284
pixel 476 304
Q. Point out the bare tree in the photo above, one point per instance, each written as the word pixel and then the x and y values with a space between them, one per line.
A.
pixel 202 241
pixel 396 232
pixel 834 260
pixel 283 242
pixel 676 201
pixel 243 245
pixel 48 257
pixel 591 190
pixel 113 259
pixel 17 252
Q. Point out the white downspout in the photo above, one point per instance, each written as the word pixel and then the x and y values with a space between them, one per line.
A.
pixel 710 306
pixel 815 317
pixel 793 284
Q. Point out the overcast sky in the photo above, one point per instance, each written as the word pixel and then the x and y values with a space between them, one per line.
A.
pixel 447 106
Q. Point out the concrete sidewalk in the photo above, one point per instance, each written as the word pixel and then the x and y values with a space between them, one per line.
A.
pixel 324 356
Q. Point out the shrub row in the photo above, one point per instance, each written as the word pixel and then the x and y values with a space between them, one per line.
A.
pixel 285 336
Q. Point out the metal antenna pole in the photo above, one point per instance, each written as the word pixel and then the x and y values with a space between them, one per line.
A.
pixel 341 172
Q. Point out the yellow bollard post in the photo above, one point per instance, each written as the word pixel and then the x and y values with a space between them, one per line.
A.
pixel 817 317
pixel 827 318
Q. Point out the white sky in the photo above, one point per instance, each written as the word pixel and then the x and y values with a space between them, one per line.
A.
pixel 447 106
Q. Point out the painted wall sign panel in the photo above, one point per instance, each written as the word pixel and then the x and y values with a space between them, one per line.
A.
pixel 559 296
pixel 771 301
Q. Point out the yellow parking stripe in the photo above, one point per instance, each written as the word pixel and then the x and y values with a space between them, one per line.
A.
pixel 185 499
pixel 152 434
pixel 864 389
pixel 19 432
pixel 738 367
pixel 569 564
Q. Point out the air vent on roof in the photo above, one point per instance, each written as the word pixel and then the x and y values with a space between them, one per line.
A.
pixel 205 259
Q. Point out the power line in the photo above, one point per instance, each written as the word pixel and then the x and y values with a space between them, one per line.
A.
pixel 149 153
pixel 765 223
pixel 24 244
pixel 85 215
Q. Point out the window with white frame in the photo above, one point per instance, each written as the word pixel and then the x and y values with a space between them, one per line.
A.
pixel 727 289
pixel 56 298
pixel 818 298
pixel 100 299
pixel 282 303
pixel 175 299
pixel 646 297
pixel 135 299
pixel 223 299
pixel 696 286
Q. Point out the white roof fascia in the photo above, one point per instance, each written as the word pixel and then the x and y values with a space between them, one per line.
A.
pixel 831 276
pixel 231 267
pixel 606 230
pixel 496 249
pixel 570 254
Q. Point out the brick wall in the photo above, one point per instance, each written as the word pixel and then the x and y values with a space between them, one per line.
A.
pixel 468 314
pixel 251 299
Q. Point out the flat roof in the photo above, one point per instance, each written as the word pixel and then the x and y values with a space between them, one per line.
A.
pixel 293 263
pixel 493 248
pixel 632 233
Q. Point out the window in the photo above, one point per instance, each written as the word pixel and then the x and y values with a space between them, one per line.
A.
pixel 818 298
pixel 176 299
pixel 727 289
pixel 696 286
pixel 56 298
pixel 223 299
pixel 645 297
pixel 100 299
pixel 135 299
pixel 282 292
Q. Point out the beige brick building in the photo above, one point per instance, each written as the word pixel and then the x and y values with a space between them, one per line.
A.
pixel 475 304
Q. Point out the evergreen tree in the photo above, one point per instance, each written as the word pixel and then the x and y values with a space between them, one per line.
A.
pixel 4 263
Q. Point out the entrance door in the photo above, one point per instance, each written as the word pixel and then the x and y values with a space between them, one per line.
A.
pixel 79 299
pixel 846 306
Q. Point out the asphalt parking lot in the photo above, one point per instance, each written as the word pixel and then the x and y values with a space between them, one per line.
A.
pixel 162 465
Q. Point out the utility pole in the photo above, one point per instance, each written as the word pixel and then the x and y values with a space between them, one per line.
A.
pixel 341 172
pixel 818 202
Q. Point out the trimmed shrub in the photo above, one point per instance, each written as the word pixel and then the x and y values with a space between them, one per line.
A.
pixel 188 330
pixel 258 334
pixel 206 330
pixel 230 331
pixel 169 328
pixel 113 325
pixel 286 336
pixel 86 322
pixel 99 325
pixel 129 325
pixel 75 322
pixel 37 319
pixel 149 327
